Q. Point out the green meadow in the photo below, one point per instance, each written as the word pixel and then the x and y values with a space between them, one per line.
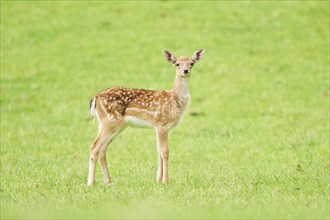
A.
pixel 254 142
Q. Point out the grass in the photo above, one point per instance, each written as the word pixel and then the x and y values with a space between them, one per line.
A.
pixel 254 142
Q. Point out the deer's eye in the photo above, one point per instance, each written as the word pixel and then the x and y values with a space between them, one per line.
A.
pixel 177 64
pixel 192 64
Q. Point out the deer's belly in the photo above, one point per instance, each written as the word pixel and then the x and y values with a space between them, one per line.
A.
pixel 137 122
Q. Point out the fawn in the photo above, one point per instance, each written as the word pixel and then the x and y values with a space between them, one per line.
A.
pixel 117 107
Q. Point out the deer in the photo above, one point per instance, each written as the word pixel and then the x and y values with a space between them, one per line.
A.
pixel 162 110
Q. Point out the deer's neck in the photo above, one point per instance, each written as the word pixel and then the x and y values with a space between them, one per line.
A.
pixel 181 88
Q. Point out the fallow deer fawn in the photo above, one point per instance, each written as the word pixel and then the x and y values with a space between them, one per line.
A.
pixel 117 107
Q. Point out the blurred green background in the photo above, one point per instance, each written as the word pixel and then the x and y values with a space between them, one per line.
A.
pixel 254 142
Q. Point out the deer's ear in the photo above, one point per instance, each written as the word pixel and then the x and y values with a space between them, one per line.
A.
pixel 169 56
pixel 198 55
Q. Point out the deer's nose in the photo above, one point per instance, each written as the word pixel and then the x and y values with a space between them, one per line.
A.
pixel 186 71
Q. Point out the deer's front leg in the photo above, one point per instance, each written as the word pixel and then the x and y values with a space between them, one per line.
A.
pixel 164 155
pixel 160 168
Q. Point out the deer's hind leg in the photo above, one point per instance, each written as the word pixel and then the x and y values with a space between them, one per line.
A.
pixel 108 132
pixel 104 166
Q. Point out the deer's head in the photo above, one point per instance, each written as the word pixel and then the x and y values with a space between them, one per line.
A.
pixel 183 64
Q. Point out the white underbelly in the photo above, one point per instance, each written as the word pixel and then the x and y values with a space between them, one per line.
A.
pixel 136 122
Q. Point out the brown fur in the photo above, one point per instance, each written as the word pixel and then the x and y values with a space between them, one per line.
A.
pixel 118 107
